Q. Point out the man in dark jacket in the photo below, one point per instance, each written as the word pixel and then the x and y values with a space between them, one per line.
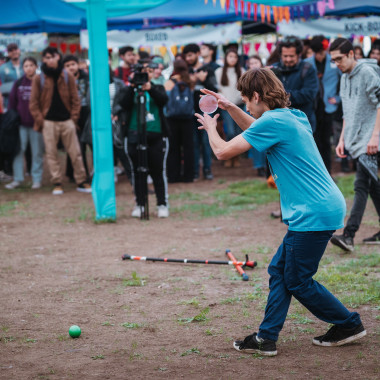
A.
pixel 157 144
pixel 298 77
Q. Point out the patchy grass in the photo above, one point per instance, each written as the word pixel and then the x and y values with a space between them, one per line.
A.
pixel 244 195
pixel 201 317
pixel 346 185
pixel 7 208
pixel 135 280
pixel 129 325
pixel 191 351
pixel 356 281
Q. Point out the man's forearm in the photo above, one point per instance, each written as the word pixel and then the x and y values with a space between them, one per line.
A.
pixel 216 142
pixel 241 118
pixel 376 130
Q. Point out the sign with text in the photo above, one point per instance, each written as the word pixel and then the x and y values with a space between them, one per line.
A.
pixel 214 34
pixel 26 42
pixel 345 27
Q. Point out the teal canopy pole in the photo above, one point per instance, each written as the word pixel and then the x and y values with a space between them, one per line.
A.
pixel 103 185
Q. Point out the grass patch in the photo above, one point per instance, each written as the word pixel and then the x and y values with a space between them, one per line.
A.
pixel 193 302
pixel 129 325
pixel 244 195
pixel 355 282
pixel 7 208
pixel 191 351
pixel 201 317
pixel 135 280
pixel 346 185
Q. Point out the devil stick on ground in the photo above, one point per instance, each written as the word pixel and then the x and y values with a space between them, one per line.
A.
pixel 237 265
pixel 247 263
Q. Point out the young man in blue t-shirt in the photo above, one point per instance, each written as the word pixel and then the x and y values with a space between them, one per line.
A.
pixel 312 207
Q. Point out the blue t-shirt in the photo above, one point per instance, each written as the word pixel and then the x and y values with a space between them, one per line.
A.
pixel 310 200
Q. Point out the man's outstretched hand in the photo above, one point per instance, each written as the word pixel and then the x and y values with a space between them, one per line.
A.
pixel 206 121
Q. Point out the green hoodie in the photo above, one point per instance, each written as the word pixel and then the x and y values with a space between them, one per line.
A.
pixel 360 93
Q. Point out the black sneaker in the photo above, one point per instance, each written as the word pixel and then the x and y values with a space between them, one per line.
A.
pixel 344 242
pixel 338 336
pixel 84 187
pixel 208 175
pixel 254 344
pixel 375 239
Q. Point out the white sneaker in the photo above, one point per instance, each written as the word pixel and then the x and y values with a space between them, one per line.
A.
pixel 136 212
pixel 13 185
pixel 162 211
pixel 36 185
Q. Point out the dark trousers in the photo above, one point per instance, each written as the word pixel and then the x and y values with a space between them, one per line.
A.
pixel 6 163
pixel 323 135
pixel 157 152
pixel 363 186
pixel 84 112
pixel 291 274
pixel 181 145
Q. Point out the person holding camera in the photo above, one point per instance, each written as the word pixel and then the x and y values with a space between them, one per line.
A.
pixel 156 136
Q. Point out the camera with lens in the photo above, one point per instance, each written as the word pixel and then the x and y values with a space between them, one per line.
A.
pixel 139 76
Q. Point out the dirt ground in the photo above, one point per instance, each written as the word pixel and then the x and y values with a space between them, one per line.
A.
pixel 58 268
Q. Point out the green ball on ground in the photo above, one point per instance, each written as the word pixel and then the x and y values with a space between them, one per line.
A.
pixel 75 331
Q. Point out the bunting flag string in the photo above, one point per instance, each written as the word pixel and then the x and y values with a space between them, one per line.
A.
pixel 277 13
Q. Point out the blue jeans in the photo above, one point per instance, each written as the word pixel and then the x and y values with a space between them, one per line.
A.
pixel 231 129
pixel 258 158
pixel 201 142
pixel 291 274
pixel 27 134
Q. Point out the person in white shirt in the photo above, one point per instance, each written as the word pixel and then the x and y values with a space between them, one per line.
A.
pixel 227 78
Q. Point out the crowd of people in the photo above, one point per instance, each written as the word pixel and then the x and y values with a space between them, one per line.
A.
pixel 52 104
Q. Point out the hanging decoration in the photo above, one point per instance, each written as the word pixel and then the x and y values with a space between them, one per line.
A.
pixel 73 48
pixel 246 48
pixel 277 13
pixel 63 47
pixel 174 49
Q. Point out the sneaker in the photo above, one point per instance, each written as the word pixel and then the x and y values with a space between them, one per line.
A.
pixel 36 185
pixel 5 177
pixel 208 175
pixel 344 242
pixel 338 336
pixel 136 212
pixel 13 185
pixel 162 211
pixel 252 343
pixel 58 189
pixel 84 188
pixel 375 239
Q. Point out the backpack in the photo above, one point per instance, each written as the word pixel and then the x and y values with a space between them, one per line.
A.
pixel 181 101
pixel 9 132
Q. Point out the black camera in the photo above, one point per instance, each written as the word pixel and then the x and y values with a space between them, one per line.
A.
pixel 140 77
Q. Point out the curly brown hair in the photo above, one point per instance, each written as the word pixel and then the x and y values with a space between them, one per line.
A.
pixel 266 84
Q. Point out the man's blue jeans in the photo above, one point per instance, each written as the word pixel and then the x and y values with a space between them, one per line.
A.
pixel 291 271
pixel 201 142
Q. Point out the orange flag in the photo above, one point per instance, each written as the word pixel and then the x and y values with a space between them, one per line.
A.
pixel 262 12
pixel 268 14
pixel 275 14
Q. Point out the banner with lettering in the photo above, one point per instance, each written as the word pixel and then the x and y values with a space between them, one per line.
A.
pixel 344 27
pixel 26 42
pixel 214 34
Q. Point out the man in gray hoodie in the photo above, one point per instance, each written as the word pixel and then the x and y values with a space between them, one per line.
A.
pixel 360 94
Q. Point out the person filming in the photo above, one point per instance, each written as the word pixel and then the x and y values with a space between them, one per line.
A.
pixel 156 137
